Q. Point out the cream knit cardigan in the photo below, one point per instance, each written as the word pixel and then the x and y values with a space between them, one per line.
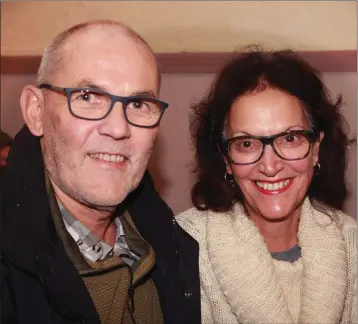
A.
pixel 241 283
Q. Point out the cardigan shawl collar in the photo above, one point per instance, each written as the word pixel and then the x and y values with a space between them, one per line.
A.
pixel 245 284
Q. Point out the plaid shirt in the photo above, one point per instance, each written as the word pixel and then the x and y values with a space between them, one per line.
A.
pixel 91 247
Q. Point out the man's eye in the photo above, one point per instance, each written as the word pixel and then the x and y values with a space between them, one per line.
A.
pixel 139 105
pixel 85 96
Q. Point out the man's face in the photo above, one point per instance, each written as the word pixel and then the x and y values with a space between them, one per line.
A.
pixel 4 152
pixel 99 162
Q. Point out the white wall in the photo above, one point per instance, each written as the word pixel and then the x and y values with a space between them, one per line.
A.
pixel 171 163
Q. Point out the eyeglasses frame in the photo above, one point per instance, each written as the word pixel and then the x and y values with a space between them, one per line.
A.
pixel 114 100
pixel 311 135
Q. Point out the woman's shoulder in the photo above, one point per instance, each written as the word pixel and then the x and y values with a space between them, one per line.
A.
pixel 193 222
pixel 343 221
pixel 348 227
pixel 346 222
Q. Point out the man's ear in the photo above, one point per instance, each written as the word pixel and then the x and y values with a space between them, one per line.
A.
pixel 32 104
pixel 316 147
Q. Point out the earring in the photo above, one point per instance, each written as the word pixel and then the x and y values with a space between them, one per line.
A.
pixel 317 169
pixel 229 178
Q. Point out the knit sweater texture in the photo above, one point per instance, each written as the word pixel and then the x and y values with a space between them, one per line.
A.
pixel 242 283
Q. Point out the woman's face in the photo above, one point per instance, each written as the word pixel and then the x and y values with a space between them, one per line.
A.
pixel 273 188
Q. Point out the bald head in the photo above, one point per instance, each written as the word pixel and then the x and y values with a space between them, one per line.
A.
pixel 54 53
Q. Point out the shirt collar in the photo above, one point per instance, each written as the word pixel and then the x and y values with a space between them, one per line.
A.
pixel 93 248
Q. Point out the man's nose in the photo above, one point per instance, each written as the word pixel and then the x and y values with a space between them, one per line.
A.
pixel 115 124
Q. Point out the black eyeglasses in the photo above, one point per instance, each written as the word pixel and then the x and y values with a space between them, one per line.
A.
pixel 92 104
pixel 290 146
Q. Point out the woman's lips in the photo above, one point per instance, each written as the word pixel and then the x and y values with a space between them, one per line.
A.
pixel 273 188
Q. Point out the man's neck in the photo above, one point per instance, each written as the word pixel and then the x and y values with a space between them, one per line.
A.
pixel 99 222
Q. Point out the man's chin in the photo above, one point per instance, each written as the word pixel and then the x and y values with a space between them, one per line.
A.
pixel 106 202
pixel 103 204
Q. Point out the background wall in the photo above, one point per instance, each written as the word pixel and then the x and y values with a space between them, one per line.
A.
pixel 174 26
pixel 172 160
pixel 187 26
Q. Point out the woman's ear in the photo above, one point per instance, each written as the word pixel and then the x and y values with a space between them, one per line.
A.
pixel 228 165
pixel 32 104
pixel 225 158
pixel 316 147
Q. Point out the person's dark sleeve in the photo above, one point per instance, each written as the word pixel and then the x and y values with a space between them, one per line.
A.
pixel 7 305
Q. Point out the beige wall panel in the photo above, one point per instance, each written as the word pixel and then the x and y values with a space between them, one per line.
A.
pixel 174 26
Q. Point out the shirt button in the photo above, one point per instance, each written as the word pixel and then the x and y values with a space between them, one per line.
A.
pixel 188 294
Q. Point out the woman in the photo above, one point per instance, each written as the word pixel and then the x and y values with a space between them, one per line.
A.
pixel 271 150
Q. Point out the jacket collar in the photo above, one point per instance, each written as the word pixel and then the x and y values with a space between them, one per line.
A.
pixel 24 193
pixel 28 235
pixel 25 206
pixel 29 240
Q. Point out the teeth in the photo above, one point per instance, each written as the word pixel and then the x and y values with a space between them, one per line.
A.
pixel 272 186
pixel 108 157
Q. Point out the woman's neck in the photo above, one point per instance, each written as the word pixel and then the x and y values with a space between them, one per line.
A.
pixel 279 235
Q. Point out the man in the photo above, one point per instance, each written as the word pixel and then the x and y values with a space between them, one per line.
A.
pixel 5 144
pixel 83 238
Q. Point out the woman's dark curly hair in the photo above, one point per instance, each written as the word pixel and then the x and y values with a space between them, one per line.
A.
pixel 248 72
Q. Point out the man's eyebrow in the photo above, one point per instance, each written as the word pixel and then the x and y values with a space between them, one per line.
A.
pixel 148 93
pixel 86 83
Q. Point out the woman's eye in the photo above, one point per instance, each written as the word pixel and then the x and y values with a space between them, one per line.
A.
pixel 246 144
pixel 290 138
pixel 137 104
